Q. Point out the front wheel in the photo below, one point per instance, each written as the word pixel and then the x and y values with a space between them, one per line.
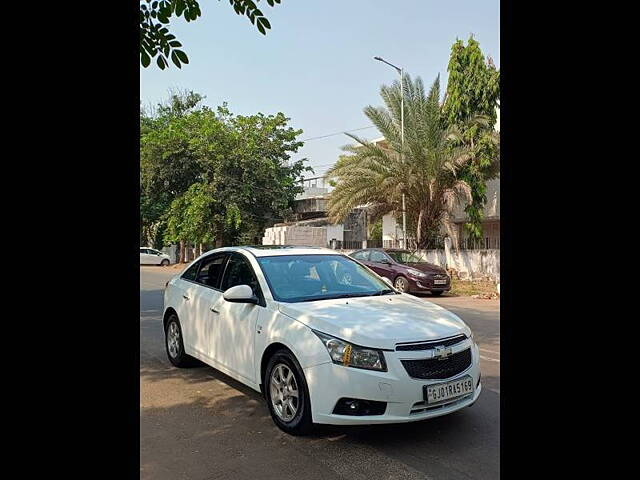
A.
pixel 287 394
pixel 401 284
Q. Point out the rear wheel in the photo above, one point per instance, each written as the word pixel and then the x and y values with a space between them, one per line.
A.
pixel 287 394
pixel 401 284
pixel 175 345
pixel 164 262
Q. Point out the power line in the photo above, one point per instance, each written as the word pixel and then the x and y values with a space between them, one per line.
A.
pixel 337 133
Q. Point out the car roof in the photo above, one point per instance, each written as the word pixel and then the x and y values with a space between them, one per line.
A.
pixel 278 250
pixel 383 250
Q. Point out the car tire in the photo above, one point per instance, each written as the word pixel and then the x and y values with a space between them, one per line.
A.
pixel 401 284
pixel 164 262
pixel 175 346
pixel 436 293
pixel 280 407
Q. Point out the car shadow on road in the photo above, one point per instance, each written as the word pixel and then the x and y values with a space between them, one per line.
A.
pixel 245 400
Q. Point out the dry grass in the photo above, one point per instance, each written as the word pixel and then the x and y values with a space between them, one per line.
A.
pixel 466 288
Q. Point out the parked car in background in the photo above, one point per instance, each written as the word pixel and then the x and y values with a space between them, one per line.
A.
pixel 408 272
pixel 322 337
pixel 150 256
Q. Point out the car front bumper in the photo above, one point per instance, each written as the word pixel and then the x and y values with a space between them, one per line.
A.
pixel 403 395
pixel 418 286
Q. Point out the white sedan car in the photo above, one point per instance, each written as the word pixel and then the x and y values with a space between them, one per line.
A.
pixel 150 256
pixel 324 338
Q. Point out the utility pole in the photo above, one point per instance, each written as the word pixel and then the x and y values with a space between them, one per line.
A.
pixel 404 206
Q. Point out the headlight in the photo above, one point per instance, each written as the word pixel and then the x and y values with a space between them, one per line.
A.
pixel 344 353
pixel 416 273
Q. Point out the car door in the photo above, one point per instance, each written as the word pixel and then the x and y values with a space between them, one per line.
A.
pixel 379 262
pixel 203 296
pixel 152 256
pixel 144 256
pixel 234 345
pixel 184 300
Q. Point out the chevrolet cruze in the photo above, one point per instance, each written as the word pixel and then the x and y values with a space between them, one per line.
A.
pixel 322 337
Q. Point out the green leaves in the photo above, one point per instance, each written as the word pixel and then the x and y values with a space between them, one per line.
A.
pixel 155 16
pixel 426 172
pixel 473 94
pixel 214 174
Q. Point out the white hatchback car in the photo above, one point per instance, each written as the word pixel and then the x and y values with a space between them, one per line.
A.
pixel 324 338
pixel 150 256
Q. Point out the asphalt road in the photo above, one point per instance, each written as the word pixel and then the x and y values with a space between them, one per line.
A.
pixel 200 424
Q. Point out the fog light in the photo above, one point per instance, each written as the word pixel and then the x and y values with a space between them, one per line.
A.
pixel 359 407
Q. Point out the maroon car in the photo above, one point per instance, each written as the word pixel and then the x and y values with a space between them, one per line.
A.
pixel 408 272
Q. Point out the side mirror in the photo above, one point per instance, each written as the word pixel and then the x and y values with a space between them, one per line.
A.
pixel 388 281
pixel 240 294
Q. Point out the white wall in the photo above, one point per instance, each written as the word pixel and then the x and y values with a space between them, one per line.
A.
pixel 335 232
pixel 295 235
pixel 390 228
pixel 491 208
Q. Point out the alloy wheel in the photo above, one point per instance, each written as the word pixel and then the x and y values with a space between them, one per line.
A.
pixel 173 339
pixel 401 284
pixel 284 392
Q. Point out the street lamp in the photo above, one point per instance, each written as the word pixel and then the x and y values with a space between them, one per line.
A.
pixel 404 213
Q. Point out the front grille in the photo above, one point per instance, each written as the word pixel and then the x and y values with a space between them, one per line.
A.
pixel 431 344
pixel 433 368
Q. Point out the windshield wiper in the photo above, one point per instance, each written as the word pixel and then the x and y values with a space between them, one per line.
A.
pixel 386 291
pixel 333 297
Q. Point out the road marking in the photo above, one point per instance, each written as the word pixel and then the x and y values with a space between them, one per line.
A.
pixel 494 390
pixel 490 359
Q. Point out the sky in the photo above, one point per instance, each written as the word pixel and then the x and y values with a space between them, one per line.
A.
pixel 316 63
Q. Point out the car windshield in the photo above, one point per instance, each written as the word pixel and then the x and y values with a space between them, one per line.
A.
pixel 405 257
pixel 304 278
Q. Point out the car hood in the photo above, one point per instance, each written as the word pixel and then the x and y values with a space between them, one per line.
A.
pixel 378 322
pixel 426 267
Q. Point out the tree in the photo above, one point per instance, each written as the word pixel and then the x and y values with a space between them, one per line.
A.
pixel 167 166
pixel 426 173
pixel 190 218
pixel 156 41
pixel 210 176
pixel 473 94
pixel 255 181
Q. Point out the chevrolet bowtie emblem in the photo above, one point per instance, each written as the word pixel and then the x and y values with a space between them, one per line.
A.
pixel 441 352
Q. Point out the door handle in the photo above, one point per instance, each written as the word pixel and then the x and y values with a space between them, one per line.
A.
pixel 214 310
pixel 185 297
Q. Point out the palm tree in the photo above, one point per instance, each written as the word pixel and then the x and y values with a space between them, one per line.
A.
pixel 377 175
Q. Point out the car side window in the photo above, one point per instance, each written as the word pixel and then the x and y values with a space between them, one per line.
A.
pixel 239 272
pixel 378 257
pixel 364 255
pixel 143 250
pixel 191 272
pixel 211 270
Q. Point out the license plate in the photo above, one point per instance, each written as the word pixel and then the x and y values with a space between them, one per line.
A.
pixel 445 391
pixel 439 282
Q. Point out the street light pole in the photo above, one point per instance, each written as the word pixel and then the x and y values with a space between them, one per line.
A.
pixel 404 208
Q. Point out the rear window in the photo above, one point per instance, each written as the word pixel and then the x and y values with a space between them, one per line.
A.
pixel 363 255
pixel 190 274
